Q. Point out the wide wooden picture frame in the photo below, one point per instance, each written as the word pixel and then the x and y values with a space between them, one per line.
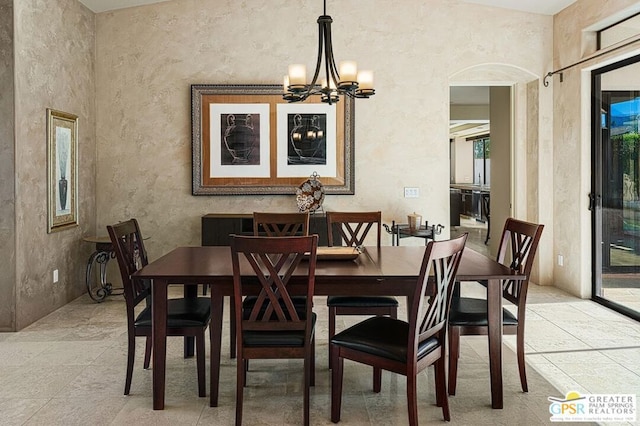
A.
pixel 62 170
pixel 246 140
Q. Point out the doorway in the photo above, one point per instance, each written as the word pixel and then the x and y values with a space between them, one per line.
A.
pixel 615 195
pixel 481 134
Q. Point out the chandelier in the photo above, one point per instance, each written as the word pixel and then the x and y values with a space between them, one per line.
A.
pixel 342 80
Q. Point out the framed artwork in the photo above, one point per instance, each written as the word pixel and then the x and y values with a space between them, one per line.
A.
pixel 247 140
pixel 62 170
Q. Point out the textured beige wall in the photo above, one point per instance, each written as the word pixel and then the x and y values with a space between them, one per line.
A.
pixel 572 137
pixel 54 68
pixel 500 115
pixel 147 57
pixel 7 155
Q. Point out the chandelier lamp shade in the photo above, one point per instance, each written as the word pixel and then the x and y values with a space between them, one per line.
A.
pixel 344 79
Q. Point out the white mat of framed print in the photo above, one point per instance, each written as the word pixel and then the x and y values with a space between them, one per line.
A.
pixel 62 170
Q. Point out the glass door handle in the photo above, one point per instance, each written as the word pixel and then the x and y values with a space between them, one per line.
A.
pixel 594 200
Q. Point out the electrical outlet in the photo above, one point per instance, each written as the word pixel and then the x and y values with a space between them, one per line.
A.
pixel 560 260
pixel 55 276
pixel 411 192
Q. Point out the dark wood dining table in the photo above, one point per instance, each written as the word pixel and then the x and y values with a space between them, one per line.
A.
pixel 386 270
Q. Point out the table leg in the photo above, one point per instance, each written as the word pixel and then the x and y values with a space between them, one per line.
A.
pixel 159 333
pixel 190 291
pixel 494 307
pixel 217 301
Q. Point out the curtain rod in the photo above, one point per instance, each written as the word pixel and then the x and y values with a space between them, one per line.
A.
pixel 588 58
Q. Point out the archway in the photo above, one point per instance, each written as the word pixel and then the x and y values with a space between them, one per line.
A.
pixel 530 136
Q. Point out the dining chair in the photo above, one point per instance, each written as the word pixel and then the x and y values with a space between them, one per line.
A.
pixel 406 347
pixel 185 317
pixel 469 316
pixel 274 327
pixel 280 224
pixel 271 225
pixel 353 228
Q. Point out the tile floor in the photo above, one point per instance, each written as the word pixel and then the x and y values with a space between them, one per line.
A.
pixel 68 369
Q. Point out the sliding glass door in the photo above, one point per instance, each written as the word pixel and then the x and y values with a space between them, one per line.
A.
pixel 615 196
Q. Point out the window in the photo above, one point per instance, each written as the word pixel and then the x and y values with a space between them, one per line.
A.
pixel 482 161
pixel 618 32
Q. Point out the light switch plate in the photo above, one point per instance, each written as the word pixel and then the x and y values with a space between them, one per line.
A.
pixel 410 192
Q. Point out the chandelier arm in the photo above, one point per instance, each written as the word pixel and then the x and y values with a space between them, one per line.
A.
pixel 314 80
pixel 332 70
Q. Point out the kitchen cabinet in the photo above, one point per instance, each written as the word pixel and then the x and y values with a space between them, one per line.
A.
pixel 471 200
pixel 455 207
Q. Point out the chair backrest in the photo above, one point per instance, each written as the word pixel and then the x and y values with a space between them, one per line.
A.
pixel 131 255
pixel 353 226
pixel 428 315
pixel 271 262
pixel 517 250
pixel 281 224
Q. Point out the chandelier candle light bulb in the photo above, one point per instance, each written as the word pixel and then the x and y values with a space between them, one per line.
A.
pixel 365 80
pixel 297 75
pixel 348 71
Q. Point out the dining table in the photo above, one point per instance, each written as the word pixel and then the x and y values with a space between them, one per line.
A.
pixel 386 270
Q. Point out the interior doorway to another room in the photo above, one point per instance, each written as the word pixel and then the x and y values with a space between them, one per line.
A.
pixel 480 134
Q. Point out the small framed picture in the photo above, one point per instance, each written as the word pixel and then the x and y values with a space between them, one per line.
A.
pixel 62 170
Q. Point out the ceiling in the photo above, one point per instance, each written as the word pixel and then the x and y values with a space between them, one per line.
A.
pixel 544 7
pixel 104 5
pixel 468 96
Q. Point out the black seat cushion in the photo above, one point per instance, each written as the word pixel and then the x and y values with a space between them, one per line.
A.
pixel 468 311
pixel 191 312
pixel 361 301
pixel 293 338
pixel 382 336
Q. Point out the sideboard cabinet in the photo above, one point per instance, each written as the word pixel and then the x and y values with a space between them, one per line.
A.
pixel 217 227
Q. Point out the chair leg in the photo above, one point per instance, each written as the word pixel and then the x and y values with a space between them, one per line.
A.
pixel 441 388
pixel 232 329
pixel 336 384
pixel 521 363
pixel 200 355
pixel 313 362
pixel 240 384
pixel 412 398
pixel 377 379
pixel 454 354
pixel 131 354
pixel 377 372
pixel 308 365
pixel 147 352
pixel 332 330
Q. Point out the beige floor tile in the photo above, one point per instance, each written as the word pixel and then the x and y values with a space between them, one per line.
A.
pixel 17 411
pixel 34 382
pixel 77 411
